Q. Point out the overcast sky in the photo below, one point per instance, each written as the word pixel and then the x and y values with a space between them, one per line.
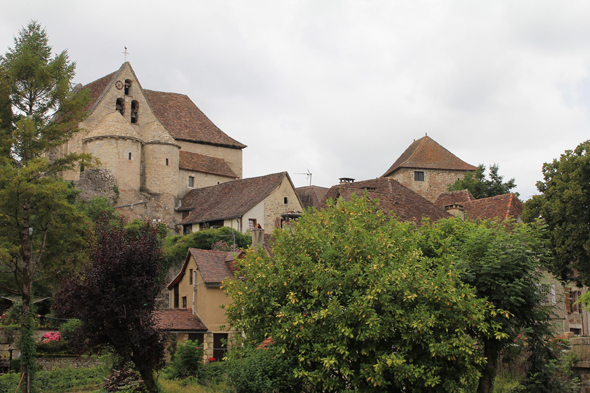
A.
pixel 341 88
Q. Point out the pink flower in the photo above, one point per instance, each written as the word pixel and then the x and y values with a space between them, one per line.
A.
pixel 51 336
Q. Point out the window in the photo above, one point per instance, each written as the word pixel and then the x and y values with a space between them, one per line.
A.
pixel 187 229
pixel 190 278
pixel 129 155
pixel 175 293
pixel 418 176
pixel 191 181
pixel 576 308
pixel 127 87
pixel 120 106
pixel 252 223
pixel 134 111
pixel 198 337
pixel 184 302
pixel 166 162
pixel 285 200
pixel 219 345
pixel 548 294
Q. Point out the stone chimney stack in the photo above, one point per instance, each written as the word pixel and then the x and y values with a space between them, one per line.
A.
pixel 257 237
pixel 456 210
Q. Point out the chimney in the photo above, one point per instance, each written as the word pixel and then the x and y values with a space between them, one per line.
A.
pixel 346 180
pixel 456 210
pixel 257 237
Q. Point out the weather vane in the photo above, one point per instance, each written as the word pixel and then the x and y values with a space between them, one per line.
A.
pixel 125 53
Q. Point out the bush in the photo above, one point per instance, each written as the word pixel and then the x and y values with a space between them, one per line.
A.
pixel 212 373
pixel 187 360
pixel 56 381
pixel 67 328
pixel 261 370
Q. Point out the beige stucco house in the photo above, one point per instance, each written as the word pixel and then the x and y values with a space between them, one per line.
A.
pixel 197 288
pixel 153 147
pixel 265 202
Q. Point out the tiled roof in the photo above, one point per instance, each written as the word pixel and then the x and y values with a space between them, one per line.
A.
pixel 453 197
pixel 185 121
pixel 113 125
pixel 97 88
pixel 425 153
pixel 229 200
pixel 214 266
pixel 178 319
pixel 311 196
pixel 205 164
pixel 393 199
pixel 498 207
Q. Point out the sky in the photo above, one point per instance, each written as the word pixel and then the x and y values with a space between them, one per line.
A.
pixel 340 88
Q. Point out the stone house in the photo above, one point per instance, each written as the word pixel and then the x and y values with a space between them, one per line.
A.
pixel 153 147
pixel 197 289
pixel 265 202
pixel 428 168
pixel 463 204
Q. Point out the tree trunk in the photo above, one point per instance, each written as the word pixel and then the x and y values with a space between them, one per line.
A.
pixel 27 354
pixel 491 352
pixel 148 379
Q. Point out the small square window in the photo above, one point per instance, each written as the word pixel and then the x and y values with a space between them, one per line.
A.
pixel 191 181
pixel 418 176
pixel 252 223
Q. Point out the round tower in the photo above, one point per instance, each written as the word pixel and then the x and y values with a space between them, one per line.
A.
pixel 118 147
pixel 160 158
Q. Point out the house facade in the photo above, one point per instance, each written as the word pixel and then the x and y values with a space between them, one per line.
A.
pixel 197 289
pixel 264 202
pixel 153 147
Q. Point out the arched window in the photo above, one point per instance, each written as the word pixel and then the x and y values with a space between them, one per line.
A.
pixel 128 87
pixel 134 111
pixel 120 106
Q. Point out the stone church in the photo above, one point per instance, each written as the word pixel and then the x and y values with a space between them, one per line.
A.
pixel 153 148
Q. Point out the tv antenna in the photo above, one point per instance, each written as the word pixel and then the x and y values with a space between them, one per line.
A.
pixel 308 174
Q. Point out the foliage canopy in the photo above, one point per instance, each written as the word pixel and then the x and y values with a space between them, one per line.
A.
pixel 564 206
pixel 351 297
pixel 479 186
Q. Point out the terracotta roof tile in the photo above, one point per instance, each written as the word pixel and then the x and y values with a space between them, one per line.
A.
pixel 98 87
pixel 498 207
pixel 229 200
pixel 393 199
pixel 453 197
pixel 178 319
pixel 185 121
pixel 213 265
pixel 205 164
pixel 311 196
pixel 427 154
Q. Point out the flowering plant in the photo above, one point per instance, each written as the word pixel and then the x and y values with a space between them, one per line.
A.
pixel 51 336
pixel 212 359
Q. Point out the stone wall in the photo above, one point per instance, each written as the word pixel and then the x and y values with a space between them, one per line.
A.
pixel 274 204
pixel 160 174
pixel 51 363
pixel 97 182
pixel 435 181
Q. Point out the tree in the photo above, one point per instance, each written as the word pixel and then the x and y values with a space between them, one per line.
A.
pixel 176 247
pixel 114 297
pixel 503 262
pixel 479 186
pixel 564 206
pixel 349 295
pixel 41 234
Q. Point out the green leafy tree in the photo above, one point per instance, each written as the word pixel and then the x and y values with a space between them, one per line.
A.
pixel 479 186
pixel 42 236
pixel 176 247
pixel 503 262
pixel 564 206
pixel 350 296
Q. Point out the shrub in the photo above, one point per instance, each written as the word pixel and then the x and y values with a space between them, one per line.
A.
pixel 212 373
pixel 261 370
pixel 67 328
pixel 187 360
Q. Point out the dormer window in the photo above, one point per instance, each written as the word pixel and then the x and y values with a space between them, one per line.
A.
pixel 134 111
pixel 128 87
pixel 120 106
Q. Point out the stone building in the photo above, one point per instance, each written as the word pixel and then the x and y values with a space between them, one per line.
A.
pixel 153 147
pixel 428 168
